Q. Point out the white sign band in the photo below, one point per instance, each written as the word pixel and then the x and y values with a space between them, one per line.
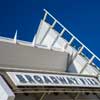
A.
pixel 40 79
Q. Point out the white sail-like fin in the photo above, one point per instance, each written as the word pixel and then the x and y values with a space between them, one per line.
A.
pixel 15 37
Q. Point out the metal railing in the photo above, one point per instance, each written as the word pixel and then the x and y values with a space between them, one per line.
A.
pixel 64 29
pixel 73 37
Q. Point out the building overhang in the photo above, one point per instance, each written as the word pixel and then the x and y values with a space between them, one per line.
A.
pixel 20 57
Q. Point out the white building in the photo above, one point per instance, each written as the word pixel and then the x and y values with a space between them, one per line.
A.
pixel 49 68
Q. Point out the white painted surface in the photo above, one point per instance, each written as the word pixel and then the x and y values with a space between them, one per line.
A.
pixel 60 44
pixel 90 70
pixel 50 38
pixel 5 92
pixel 71 50
pixel 77 64
pixel 44 28
pixel 25 57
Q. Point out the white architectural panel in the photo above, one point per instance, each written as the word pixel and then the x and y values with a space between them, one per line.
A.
pixel 25 57
pixel 49 35
pixel 90 70
pixel 49 39
pixel 60 44
pixel 77 64
pixel 43 27
pixel 71 50
pixel 5 92
pixel 46 36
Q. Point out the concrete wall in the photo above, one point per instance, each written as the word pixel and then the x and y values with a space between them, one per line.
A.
pixel 19 56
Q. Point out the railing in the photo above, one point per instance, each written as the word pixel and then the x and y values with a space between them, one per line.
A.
pixel 64 29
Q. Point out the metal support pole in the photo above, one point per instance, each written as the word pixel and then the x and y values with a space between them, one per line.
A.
pixel 80 49
pixel 72 39
pixel 76 97
pixel 43 95
pixel 92 58
pixel 53 24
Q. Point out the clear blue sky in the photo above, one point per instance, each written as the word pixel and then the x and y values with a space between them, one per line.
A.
pixel 81 17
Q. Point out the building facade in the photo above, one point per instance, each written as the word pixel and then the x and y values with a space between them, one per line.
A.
pixel 48 68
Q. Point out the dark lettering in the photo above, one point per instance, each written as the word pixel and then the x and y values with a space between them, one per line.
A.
pixel 62 80
pixel 91 81
pixel 38 79
pixel 54 79
pixel 21 79
pixel 47 80
pixel 83 81
pixel 29 78
pixel 88 81
pixel 95 83
pixel 74 80
pixel 70 81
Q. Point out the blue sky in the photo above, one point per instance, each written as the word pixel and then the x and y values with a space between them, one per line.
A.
pixel 81 17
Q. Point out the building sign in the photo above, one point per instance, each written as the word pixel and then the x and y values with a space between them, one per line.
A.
pixel 41 79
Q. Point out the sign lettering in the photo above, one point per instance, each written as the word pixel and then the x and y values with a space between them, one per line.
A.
pixel 40 79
